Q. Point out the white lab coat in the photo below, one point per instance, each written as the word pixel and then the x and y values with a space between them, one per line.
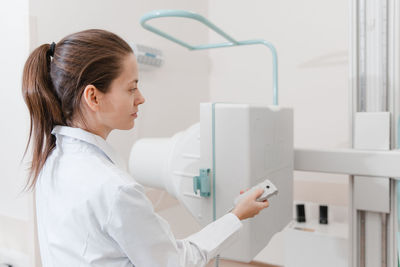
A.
pixel 91 212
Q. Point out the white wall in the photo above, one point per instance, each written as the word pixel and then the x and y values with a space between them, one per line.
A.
pixel 311 40
pixel 13 113
pixel 16 222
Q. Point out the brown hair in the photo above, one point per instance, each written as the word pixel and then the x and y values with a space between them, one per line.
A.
pixel 53 88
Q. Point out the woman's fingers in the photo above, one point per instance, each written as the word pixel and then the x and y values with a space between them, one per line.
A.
pixel 249 207
pixel 242 191
pixel 265 203
pixel 257 193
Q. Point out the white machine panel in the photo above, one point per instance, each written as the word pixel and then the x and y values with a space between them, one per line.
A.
pixel 372 131
pixel 252 143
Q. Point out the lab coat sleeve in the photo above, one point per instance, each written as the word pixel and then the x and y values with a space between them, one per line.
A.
pixel 147 240
pixel 216 236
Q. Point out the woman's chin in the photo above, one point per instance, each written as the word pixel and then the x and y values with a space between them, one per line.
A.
pixel 129 126
pixel 125 126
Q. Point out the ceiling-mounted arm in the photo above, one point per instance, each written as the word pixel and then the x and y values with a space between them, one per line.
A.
pixel 231 42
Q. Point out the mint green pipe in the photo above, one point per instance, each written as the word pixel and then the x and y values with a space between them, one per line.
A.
pixel 231 42
pixel 213 162
pixel 180 14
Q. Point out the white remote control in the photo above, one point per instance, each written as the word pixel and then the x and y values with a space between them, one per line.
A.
pixel 269 191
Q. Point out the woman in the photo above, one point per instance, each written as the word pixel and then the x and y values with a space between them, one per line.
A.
pixel 90 212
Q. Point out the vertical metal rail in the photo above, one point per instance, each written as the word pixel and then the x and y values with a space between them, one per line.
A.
pixel 384 239
pixel 353 104
pixel 394 107
pixel 362 238
pixel 362 84
pixel 369 68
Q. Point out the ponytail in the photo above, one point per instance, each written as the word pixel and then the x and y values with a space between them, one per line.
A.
pixel 44 108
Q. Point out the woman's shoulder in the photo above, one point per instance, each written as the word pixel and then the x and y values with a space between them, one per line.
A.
pixel 91 173
pixel 112 176
pixel 85 186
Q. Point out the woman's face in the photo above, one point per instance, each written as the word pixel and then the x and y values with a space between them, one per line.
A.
pixel 119 106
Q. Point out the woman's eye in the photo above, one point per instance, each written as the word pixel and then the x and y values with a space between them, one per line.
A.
pixel 133 89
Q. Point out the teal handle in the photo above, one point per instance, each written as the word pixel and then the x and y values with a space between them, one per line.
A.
pixel 231 42
pixel 202 183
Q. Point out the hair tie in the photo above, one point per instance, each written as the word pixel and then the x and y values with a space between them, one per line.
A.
pixel 52 48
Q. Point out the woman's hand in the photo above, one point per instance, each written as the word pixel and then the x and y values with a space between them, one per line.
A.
pixel 248 207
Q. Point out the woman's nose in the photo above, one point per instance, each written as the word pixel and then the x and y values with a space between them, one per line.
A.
pixel 139 99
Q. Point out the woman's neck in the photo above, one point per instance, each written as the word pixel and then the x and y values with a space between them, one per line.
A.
pixel 92 128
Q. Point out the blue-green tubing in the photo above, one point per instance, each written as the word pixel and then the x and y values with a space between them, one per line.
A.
pixel 213 162
pixel 214 172
pixel 231 42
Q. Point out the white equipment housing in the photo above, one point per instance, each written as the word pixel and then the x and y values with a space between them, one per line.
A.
pixel 251 142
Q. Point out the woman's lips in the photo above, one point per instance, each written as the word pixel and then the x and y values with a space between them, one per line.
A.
pixel 134 114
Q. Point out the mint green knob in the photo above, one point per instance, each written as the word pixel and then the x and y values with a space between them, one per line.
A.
pixel 202 183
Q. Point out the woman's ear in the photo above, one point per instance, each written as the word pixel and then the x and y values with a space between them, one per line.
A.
pixel 91 97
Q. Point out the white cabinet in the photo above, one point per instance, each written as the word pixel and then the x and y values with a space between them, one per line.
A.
pixel 314 245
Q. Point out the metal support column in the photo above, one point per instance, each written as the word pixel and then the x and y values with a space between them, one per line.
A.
pixel 374 82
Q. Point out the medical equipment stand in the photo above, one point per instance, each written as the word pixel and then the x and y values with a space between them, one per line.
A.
pixel 372 163
pixel 374 82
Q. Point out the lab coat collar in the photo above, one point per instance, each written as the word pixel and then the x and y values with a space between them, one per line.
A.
pixel 90 138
